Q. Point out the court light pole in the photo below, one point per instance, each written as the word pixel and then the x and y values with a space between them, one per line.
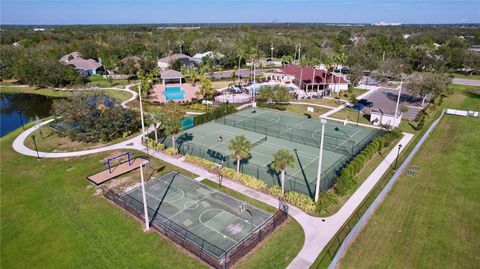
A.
pixel 145 207
pixel 398 101
pixel 141 112
pixel 320 157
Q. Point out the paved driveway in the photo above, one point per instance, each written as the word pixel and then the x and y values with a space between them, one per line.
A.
pixel 468 82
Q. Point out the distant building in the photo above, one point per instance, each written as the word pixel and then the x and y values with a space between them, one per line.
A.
pixel 38 29
pixel 164 63
pixel 382 23
pixel 309 78
pixel 406 36
pixel 209 54
pixel 85 67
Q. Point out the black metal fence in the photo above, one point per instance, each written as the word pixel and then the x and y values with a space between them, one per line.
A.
pixel 210 253
pixel 298 184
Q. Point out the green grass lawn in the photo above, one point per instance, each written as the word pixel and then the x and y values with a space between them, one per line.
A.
pixel 302 109
pixel 218 84
pixel 279 248
pixel 51 218
pixel 430 220
pixel 49 140
pixel 475 77
pixel 34 90
pixel 323 101
pixel 351 115
pixel 118 95
pixel 104 83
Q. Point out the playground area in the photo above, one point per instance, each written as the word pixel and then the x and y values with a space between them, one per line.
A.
pixel 270 131
pixel 203 219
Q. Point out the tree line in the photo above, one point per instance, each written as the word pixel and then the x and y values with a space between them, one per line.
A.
pixel 128 49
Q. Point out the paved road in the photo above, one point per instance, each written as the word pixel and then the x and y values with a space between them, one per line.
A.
pixel 468 82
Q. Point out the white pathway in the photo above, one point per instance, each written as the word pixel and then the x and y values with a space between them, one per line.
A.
pixel 318 231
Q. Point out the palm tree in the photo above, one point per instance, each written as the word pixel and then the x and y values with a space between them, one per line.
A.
pixel 240 148
pixel 206 88
pixel 281 161
pixel 171 120
pixel 155 119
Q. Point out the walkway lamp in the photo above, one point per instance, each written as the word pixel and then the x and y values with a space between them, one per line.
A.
pixel 398 154
pixel 35 144
pixel 320 157
pixel 21 119
pixel 145 207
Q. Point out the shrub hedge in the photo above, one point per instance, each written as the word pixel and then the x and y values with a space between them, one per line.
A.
pixel 280 107
pixel 216 113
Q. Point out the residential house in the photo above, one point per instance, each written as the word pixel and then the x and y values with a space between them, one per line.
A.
pixel 85 67
pixel 164 63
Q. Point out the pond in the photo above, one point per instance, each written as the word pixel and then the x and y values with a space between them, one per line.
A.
pixel 18 107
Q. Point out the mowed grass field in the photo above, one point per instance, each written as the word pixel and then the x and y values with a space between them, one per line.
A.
pixel 430 220
pixel 52 217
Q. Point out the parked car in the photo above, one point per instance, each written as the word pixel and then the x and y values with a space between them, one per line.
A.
pixel 359 106
pixel 365 102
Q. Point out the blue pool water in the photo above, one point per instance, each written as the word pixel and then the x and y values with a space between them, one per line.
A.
pixel 174 93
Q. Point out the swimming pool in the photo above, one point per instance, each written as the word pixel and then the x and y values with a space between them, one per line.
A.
pixel 174 93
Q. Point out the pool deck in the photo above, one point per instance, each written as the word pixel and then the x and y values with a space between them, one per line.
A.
pixel 191 92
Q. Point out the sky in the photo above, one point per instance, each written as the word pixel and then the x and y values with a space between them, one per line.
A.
pixel 237 11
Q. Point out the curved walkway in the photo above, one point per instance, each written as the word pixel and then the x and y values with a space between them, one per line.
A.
pixel 318 231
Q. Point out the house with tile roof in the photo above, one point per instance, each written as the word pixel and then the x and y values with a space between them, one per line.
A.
pixel 85 67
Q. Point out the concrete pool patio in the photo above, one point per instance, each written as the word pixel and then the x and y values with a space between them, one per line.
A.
pixel 157 95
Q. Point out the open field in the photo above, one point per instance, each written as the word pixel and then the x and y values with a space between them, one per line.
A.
pixel 430 220
pixel 48 207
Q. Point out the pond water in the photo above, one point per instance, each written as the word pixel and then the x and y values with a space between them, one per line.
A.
pixel 18 107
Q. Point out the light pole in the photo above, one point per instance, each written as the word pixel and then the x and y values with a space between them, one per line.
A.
pixel 35 144
pixel 320 157
pixel 398 153
pixel 358 116
pixel 271 53
pixel 141 112
pixel 21 119
pixel 145 207
pixel 398 102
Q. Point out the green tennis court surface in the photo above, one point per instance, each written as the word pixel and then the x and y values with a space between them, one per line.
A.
pixel 271 131
pixel 208 218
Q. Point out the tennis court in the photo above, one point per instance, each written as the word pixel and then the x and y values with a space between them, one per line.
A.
pixel 208 218
pixel 270 131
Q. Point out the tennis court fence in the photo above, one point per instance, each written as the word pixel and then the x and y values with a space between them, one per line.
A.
pixel 205 250
pixel 346 147
pixel 298 184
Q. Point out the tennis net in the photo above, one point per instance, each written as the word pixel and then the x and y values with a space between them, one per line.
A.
pixel 331 143
pixel 259 141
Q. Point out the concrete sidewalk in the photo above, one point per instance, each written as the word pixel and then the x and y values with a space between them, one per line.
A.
pixel 318 231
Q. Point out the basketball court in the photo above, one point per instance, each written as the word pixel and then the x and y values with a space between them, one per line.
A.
pixel 208 218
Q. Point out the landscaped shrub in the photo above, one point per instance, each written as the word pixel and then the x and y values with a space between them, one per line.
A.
pixel 345 184
pixel 326 200
pixel 214 114
pixel 247 180
pixel 154 145
pixel 200 161
pixel 301 201
pixel 276 191
pixel 280 107
pixel 171 151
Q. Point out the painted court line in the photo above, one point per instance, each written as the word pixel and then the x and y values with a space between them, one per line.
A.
pixel 304 166
pixel 215 230
pixel 185 208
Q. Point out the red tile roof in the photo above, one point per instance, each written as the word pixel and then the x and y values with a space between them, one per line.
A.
pixel 309 73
